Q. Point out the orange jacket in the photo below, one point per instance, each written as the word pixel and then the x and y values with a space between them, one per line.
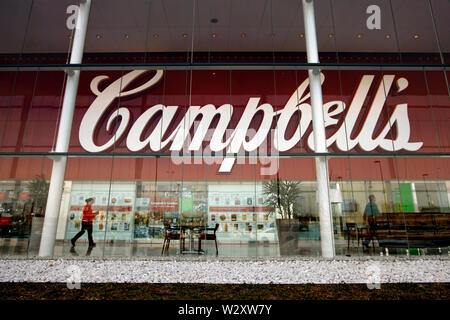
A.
pixel 88 215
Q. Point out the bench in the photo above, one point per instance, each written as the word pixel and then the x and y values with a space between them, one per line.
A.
pixel 413 230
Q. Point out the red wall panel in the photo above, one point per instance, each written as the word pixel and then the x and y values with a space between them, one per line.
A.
pixel 30 102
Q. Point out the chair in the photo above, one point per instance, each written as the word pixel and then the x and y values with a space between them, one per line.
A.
pixel 353 231
pixel 209 236
pixel 171 233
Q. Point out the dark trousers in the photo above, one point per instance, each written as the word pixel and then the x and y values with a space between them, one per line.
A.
pixel 372 230
pixel 85 226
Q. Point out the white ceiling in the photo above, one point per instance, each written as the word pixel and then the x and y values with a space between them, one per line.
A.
pixel 170 19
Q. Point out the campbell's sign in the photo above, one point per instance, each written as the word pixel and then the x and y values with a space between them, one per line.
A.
pixel 169 134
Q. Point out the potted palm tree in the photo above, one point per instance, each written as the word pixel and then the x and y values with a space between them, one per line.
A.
pixel 38 192
pixel 281 198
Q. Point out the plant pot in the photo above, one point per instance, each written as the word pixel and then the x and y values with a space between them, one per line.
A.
pixel 37 224
pixel 288 233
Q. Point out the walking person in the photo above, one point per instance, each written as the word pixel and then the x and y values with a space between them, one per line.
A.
pixel 86 222
pixel 370 213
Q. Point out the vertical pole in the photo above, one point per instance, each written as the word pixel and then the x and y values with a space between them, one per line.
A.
pixel 320 146
pixel 382 183
pixel 414 197
pixel 63 139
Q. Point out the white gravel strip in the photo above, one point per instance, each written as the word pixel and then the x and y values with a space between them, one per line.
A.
pixel 220 271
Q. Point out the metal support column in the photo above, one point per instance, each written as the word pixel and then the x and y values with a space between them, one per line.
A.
pixel 320 145
pixel 65 127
